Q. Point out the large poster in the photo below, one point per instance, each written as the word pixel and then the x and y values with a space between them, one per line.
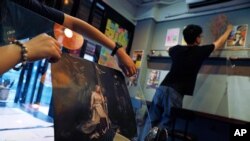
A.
pixel 91 102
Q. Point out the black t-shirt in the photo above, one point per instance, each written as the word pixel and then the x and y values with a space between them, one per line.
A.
pixel 186 63
pixel 26 19
pixel 43 10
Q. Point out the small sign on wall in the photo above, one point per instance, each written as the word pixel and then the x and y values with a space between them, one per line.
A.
pixel 137 58
pixel 153 79
pixel 172 37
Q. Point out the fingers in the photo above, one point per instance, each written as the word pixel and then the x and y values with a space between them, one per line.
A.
pixel 56 52
pixel 129 71
pixel 55 49
pixel 127 65
pixel 132 71
pixel 45 46
pixel 56 56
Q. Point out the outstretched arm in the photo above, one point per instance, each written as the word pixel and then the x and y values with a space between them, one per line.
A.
pixel 42 46
pixel 125 62
pixel 221 40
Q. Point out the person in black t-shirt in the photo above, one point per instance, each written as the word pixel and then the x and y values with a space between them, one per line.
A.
pixel 44 46
pixel 180 81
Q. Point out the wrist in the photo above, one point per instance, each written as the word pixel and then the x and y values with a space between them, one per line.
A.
pixel 116 49
pixel 121 52
pixel 23 59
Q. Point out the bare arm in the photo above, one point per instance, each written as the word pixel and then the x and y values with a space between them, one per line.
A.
pixel 42 46
pixel 9 57
pixel 221 40
pixel 84 28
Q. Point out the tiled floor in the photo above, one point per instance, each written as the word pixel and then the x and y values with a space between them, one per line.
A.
pixel 22 123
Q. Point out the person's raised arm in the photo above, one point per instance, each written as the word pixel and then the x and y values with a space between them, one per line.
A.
pixel 221 40
pixel 80 26
pixel 40 47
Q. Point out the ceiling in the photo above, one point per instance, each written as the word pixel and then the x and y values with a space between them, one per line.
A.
pixel 162 10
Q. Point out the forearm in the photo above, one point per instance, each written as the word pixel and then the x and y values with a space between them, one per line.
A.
pixel 88 30
pixel 125 62
pixel 9 56
pixel 93 33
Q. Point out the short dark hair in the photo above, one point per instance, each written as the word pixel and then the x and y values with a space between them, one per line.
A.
pixel 191 32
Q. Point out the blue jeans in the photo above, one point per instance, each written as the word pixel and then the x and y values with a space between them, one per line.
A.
pixel 159 113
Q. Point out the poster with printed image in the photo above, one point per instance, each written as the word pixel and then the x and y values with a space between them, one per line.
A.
pixel 137 57
pixel 172 37
pixel 153 79
pixel 106 59
pixel 91 102
pixel 237 37
pixel 115 32
pixel 133 80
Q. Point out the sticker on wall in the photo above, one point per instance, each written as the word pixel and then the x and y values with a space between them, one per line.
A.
pixel 172 37
pixel 153 79
pixel 237 37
